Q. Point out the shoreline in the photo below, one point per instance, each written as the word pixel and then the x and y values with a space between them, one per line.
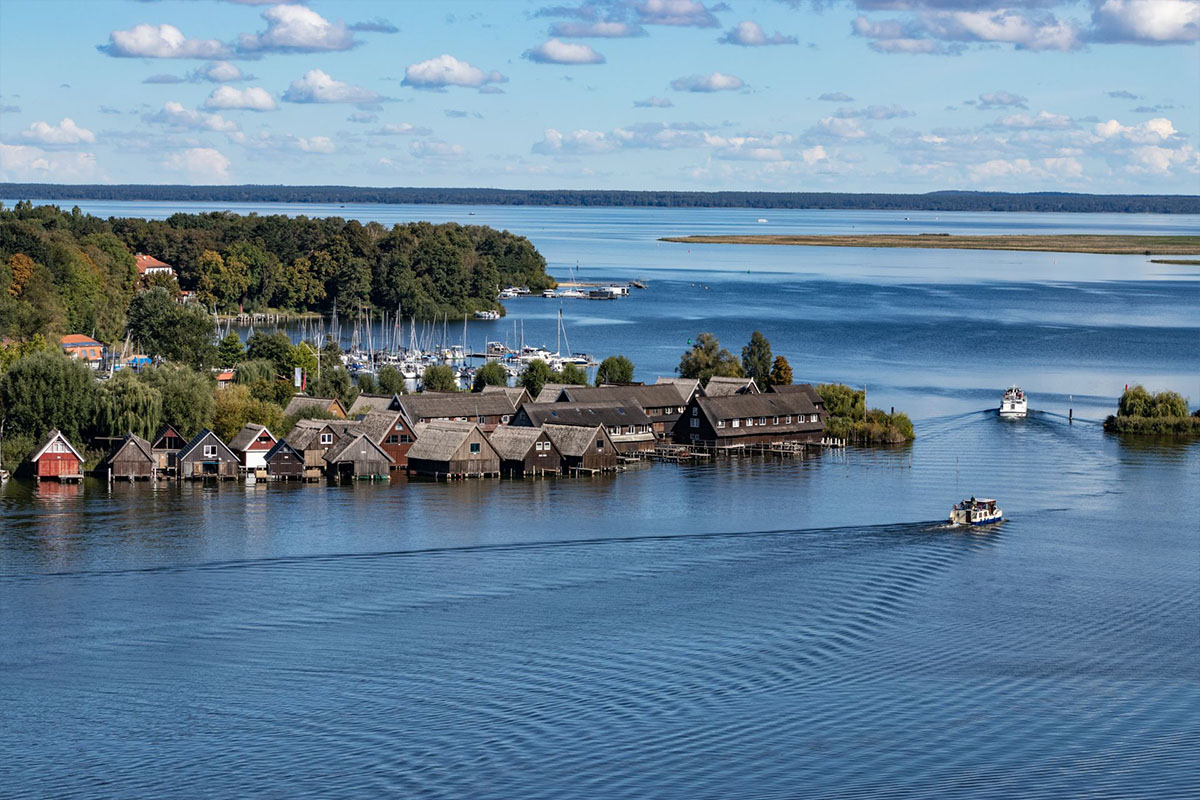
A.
pixel 1066 243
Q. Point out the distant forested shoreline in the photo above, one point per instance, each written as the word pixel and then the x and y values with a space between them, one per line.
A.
pixel 932 201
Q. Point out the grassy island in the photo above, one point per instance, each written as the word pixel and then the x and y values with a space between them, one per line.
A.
pixel 850 419
pixel 1162 414
pixel 1113 245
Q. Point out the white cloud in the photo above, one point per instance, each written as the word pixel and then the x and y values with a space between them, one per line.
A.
pixel 25 163
pixel 160 41
pixel 201 164
pixel 251 98
pixel 316 144
pixel 297 29
pixel 1152 131
pixel 1002 99
pixel 836 97
pixel 435 149
pixel 580 141
pixel 219 72
pixel 65 132
pixel 1163 160
pixel 875 112
pixel 555 51
pixel 811 155
pixel 928 30
pixel 653 102
pixel 841 128
pixel 748 148
pixel 318 87
pixel 998 170
pixel 175 115
pixel 682 13
pixel 596 30
pixel 399 129
pixel 1043 120
pixel 713 82
pixel 1147 21
pixel 751 34
pixel 446 70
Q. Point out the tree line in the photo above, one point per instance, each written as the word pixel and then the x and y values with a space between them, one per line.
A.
pixel 931 201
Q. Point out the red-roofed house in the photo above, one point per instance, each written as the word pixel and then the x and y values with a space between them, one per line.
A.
pixel 149 265
pixel 85 348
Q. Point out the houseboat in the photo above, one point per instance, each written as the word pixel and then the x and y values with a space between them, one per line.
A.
pixel 1014 405
pixel 976 512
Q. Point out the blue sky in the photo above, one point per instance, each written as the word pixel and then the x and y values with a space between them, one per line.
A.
pixel 792 95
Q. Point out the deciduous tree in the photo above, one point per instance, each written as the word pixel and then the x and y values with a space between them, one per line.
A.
pixel 707 359
pixel 492 373
pixel 756 359
pixel 439 378
pixel 781 372
pixel 614 369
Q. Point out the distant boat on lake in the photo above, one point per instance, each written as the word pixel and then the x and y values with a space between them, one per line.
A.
pixel 1014 405
pixel 975 512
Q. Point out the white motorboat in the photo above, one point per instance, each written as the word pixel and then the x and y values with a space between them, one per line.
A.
pixel 1014 405
pixel 489 314
pixel 976 512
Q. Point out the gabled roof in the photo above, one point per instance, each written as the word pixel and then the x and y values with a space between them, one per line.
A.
pixel 301 402
pixel 549 392
pixel 187 449
pixel 606 414
pixel 658 395
pixel 247 436
pixel 514 443
pixel 433 405
pixel 164 431
pixel 145 262
pixel 743 406
pixel 281 446
pixel 78 340
pixel 378 424
pixel 718 386
pixel 687 386
pixel 305 430
pixel 574 440
pixel 49 439
pixel 439 441
pixel 350 447
pixel 139 444
pixel 515 394
pixel 370 402
pixel 801 388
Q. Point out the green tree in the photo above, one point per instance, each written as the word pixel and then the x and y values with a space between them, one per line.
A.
pixel 843 401
pixel 535 376
pixel 126 404
pixel 367 383
pixel 492 373
pixel 274 347
pixel 708 359
pixel 1169 404
pixel 230 350
pixel 756 359
pixel 45 390
pixel 1135 402
pixel 187 396
pixel 162 327
pixel 614 369
pixel 781 372
pixel 391 381
pixel 334 382
pixel 575 375
pixel 234 406
pixel 439 378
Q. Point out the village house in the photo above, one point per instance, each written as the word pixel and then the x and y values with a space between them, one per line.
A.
pixel 583 448
pixel 627 425
pixel 206 456
pixel 688 387
pixel 741 420
pixel 549 393
pixel 132 459
pixel 284 463
pixel 719 386
pixel 356 457
pixel 56 459
pixel 225 378
pixel 525 451
pixel 517 395
pixel 252 444
pixel 453 450
pixel 486 410
pixel 85 348
pixel 149 265
pixel 663 403
pixel 301 403
pixel 366 403
pixel 166 445
pixel 389 430
pixel 312 438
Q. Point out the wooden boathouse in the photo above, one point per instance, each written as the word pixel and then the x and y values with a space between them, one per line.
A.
pixel 56 459
pixel 132 460
pixel 206 457
pixel 525 451
pixel 453 450
pixel 584 449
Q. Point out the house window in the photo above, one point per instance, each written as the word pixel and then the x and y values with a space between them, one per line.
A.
pixel 737 422
pixel 599 444
pixel 504 419
pixel 696 411
pixel 631 429
pixel 210 451
pixel 720 423
pixel 537 445
pixel 788 419
pixel 775 420
pixel 695 423
pixel 476 448
pixel 405 438
pixel 762 420
pixel 326 438
pixel 812 417
pixel 616 431
pixel 749 422
pixel 399 425
pixel 393 439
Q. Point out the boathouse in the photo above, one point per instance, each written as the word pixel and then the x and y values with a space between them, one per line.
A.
pixel 356 457
pixel 628 426
pixel 313 438
pixel 284 463
pixel 56 459
pixel 663 403
pixel 487 410
pixel 525 451
pixel 166 445
pixel 748 420
pixel 393 435
pixel 301 403
pixel 252 444
pixel 132 460
pixel 206 456
pixel 583 449
pixel 453 450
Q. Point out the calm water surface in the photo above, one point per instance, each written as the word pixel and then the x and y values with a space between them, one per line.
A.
pixel 755 628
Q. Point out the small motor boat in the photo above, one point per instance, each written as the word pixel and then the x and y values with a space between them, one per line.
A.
pixel 976 512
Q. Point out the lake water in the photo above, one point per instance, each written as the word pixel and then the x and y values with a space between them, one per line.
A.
pixel 753 628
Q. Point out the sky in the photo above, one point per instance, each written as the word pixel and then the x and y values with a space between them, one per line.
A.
pixel 775 95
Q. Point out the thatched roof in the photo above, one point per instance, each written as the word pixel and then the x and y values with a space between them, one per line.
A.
pixel 429 406
pixel 718 386
pixel 246 436
pixel 657 396
pixel 800 388
pixel 366 403
pixel 573 440
pixel 607 414
pixel 549 392
pixel 439 441
pixel 302 434
pixel 515 394
pixel 355 448
pixel 797 405
pixel 378 424
pixel 514 443
pixel 303 403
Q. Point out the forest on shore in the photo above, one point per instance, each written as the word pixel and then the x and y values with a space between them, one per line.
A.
pixel 931 201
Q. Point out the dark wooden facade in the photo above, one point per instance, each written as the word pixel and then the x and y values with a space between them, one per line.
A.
pixel 284 462
pixel 166 445
pixel 747 420
pixel 663 403
pixel 206 457
pixel 583 449
pixel 133 459
pixel 390 431
pixel 453 450
pixel 356 457
pixel 525 451
pixel 628 426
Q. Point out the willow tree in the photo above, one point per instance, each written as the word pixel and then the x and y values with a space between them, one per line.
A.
pixel 125 404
